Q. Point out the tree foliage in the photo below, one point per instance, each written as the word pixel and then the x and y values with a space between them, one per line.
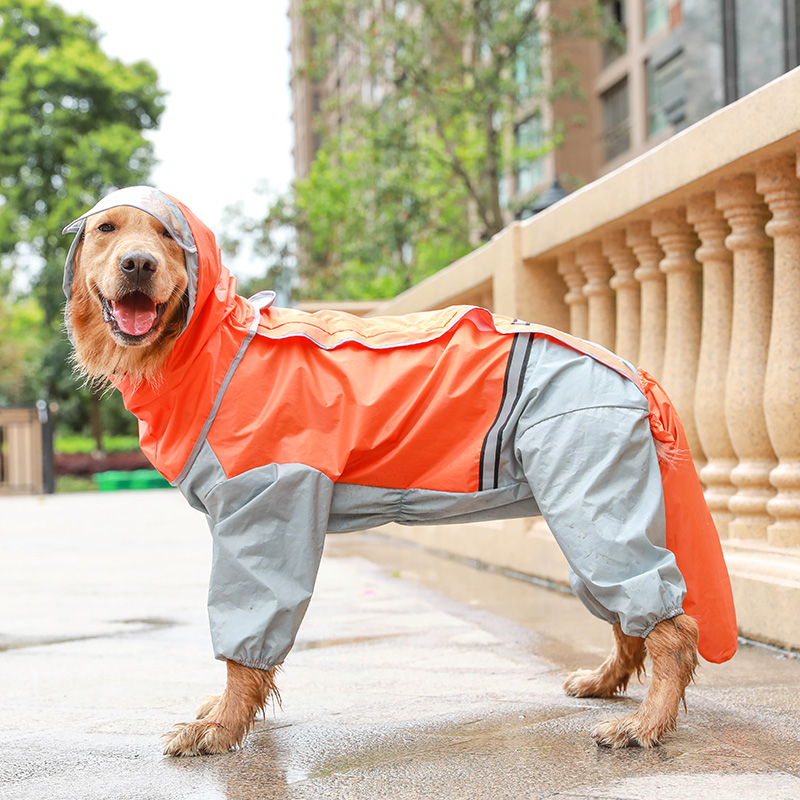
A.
pixel 410 174
pixel 373 222
pixel 72 124
pixel 72 128
pixel 21 346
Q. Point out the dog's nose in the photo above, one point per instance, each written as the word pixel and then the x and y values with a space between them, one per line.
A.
pixel 138 263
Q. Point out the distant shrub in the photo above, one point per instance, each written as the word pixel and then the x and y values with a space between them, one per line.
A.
pixel 71 445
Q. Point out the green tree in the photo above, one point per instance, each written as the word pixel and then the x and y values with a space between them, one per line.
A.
pixel 406 180
pixel 22 346
pixel 72 124
pixel 372 222
pixel 72 128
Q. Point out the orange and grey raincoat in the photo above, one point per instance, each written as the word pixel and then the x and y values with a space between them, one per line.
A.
pixel 281 426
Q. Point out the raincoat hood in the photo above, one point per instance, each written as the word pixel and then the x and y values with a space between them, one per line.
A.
pixel 195 239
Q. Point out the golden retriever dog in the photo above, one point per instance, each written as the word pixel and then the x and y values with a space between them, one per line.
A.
pixel 129 297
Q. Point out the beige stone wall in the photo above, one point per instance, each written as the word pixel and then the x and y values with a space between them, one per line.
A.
pixel 686 261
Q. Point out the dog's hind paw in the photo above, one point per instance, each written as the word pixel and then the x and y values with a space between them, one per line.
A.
pixel 202 738
pixel 630 731
pixel 593 683
pixel 581 683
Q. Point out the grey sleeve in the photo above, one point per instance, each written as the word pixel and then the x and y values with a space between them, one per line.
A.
pixel 268 527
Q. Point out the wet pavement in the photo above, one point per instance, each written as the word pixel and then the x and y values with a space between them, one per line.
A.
pixel 414 676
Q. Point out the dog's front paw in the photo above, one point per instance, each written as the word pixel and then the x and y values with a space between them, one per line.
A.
pixel 631 731
pixel 207 706
pixel 202 738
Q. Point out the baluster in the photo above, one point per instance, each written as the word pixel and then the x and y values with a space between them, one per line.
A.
pixel 573 276
pixel 599 295
pixel 744 385
pixel 653 296
pixel 628 294
pixel 777 180
pixel 715 340
pixel 684 307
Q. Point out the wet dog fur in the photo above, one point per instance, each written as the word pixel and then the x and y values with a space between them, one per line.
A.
pixel 128 306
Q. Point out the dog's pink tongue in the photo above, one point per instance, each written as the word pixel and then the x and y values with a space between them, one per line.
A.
pixel 135 313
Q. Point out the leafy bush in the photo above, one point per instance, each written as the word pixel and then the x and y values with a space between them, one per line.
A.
pixel 72 483
pixel 85 444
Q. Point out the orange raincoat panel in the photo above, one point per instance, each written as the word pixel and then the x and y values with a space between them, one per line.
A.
pixel 691 533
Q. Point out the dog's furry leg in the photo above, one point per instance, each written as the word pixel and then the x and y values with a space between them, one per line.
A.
pixel 226 719
pixel 612 676
pixel 672 645
pixel 206 707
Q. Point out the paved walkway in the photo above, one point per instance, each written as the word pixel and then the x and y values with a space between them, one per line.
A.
pixel 413 677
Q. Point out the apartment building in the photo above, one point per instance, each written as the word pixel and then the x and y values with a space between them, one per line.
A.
pixel 674 62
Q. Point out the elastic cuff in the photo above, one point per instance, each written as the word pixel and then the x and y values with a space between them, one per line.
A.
pixel 676 612
pixel 262 665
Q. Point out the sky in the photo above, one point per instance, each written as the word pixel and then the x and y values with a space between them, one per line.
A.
pixel 225 66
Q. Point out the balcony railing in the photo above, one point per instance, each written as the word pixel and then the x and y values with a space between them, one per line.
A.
pixel 687 262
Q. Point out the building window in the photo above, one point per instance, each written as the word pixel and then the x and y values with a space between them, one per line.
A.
pixel 704 58
pixel 529 138
pixel 528 68
pixel 666 91
pixel 616 120
pixel 656 118
pixel 615 41
pixel 656 16
pixel 759 43
pixel 503 193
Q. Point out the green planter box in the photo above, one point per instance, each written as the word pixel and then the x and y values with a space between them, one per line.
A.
pixel 114 480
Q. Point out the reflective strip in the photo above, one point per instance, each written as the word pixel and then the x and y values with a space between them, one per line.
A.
pixel 218 399
pixel 262 300
pixel 151 201
pixel 592 350
pixel 512 388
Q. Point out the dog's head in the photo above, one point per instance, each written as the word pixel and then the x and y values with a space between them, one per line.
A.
pixel 128 290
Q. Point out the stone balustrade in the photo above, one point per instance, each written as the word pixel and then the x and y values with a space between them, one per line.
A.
pixel 687 263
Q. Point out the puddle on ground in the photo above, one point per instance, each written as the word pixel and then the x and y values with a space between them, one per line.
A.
pixel 24 642
pixel 155 622
pixel 317 644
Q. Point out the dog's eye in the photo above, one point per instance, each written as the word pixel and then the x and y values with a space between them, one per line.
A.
pixel 106 227
pixel 166 234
